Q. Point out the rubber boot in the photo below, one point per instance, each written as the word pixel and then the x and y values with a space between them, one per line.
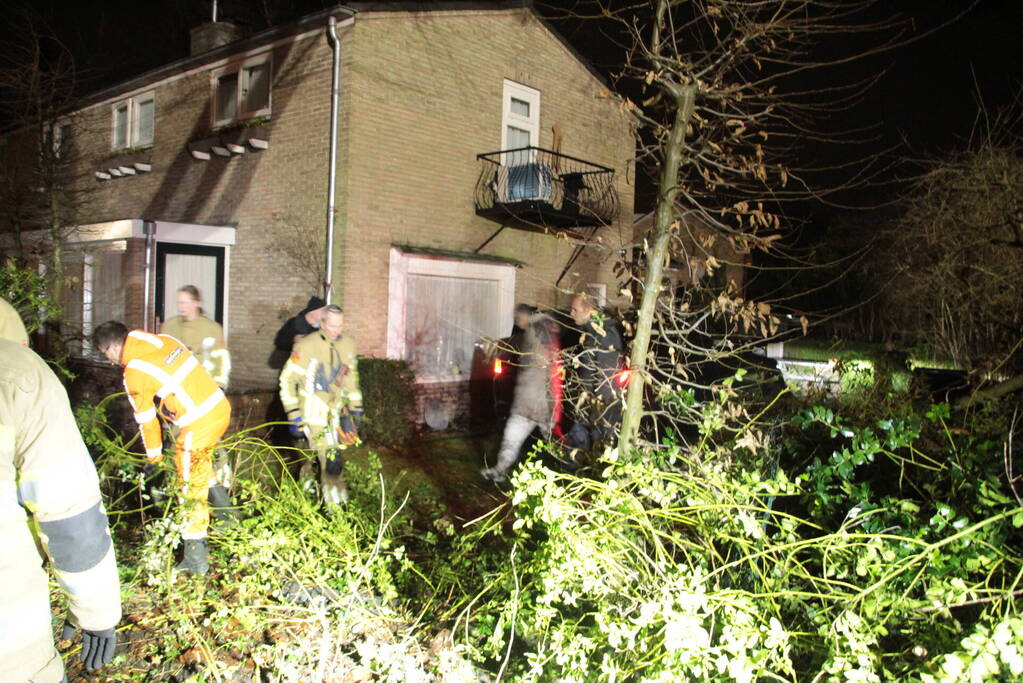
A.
pixel 495 474
pixel 196 559
pixel 332 484
pixel 224 512
pixel 307 479
pixel 222 468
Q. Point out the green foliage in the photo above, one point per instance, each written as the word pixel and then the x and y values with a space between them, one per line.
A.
pixel 25 289
pixel 389 400
pixel 295 591
pixel 828 546
pixel 870 552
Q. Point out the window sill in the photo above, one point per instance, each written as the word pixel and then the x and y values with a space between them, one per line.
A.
pixel 451 379
pixel 238 124
pixel 125 151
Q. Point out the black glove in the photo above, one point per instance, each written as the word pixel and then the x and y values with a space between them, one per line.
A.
pixel 97 646
pixel 153 482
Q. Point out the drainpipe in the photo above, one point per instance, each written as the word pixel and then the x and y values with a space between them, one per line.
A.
pixel 335 92
pixel 149 230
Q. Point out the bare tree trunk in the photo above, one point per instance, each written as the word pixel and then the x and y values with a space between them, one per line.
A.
pixel 664 224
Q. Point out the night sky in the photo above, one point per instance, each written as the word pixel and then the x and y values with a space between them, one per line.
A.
pixel 926 100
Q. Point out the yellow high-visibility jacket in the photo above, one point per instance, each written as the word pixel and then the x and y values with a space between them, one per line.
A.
pixel 205 339
pixel 321 377
pixel 157 366
pixel 46 474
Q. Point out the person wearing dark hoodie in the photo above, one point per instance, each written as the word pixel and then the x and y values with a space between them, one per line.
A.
pixel 537 402
pixel 306 322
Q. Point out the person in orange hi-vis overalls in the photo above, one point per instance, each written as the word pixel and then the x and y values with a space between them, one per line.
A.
pixel 158 366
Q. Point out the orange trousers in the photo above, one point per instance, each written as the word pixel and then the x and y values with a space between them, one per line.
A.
pixel 193 458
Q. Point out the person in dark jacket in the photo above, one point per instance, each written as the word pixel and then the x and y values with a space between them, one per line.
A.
pixel 306 322
pixel 537 402
pixel 597 362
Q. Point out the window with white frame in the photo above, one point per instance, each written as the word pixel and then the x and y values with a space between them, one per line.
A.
pixel 242 91
pixel 521 178
pixel 95 292
pixel 440 308
pixel 133 121
pixel 60 139
pixel 520 119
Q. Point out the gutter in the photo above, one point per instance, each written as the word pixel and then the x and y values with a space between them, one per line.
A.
pixel 335 94
pixel 149 230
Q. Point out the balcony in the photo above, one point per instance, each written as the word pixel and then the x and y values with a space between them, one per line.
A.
pixel 537 189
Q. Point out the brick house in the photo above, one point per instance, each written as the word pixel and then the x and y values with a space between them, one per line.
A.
pixel 477 156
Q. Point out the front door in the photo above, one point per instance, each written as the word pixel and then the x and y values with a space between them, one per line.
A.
pixel 178 265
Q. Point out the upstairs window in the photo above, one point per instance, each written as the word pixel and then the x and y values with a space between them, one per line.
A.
pixel 242 91
pixel 57 138
pixel 520 120
pixel 133 121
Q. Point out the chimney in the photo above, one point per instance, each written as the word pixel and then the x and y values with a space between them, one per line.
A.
pixel 213 34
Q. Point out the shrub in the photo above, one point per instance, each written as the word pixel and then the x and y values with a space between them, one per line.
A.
pixel 389 399
pixel 842 548
pixel 25 289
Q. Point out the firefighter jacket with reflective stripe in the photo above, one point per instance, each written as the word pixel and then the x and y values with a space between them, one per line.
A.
pixel 50 509
pixel 205 339
pixel 158 367
pixel 321 377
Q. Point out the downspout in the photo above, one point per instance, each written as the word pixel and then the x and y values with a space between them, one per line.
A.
pixel 335 92
pixel 149 230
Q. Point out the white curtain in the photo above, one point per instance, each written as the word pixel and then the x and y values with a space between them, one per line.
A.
pixel 445 316
pixel 190 269
pixel 107 287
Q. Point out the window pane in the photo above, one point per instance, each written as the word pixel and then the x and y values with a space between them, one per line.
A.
pixel 199 270
pixel 257 96
pixel 121 125
pixel 445 316
pixel 62 139
pixel 72 302
pixel 227 97
pixel 144 122
pixel 519 107
pixel 517 137
pixel 107 287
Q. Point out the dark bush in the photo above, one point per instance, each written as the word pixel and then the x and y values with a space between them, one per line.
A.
pixel 389 401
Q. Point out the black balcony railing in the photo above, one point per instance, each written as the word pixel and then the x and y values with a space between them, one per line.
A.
pixel 536 188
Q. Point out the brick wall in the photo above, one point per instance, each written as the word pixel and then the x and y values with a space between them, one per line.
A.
pixel 276 198
pixel 421 97
pixel 427 99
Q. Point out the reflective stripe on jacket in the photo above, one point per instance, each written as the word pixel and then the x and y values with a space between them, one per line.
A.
pixel 321 376
pixel 46 473
pixel 205 339
pixel 158 366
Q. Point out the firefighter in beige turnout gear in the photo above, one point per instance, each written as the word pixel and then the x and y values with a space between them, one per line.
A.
pixel 320 393
pixel 47 476
pixel 205 339
pixel 11 326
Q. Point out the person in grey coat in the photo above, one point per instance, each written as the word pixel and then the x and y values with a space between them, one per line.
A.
pixel 537 401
